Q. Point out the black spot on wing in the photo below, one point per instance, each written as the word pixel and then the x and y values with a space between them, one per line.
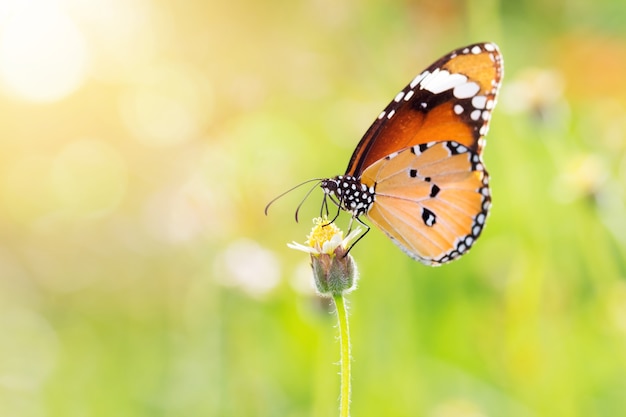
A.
pixel 434 191
pixel 428 217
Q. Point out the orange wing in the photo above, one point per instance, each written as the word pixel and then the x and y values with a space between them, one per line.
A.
pixel 449 101
pixel 432 200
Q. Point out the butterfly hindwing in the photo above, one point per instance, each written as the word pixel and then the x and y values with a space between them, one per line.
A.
pixel 431 200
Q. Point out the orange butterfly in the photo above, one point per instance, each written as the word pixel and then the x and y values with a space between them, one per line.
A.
pixel 418 174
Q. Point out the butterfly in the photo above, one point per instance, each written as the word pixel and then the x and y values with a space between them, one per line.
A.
pixel 417 174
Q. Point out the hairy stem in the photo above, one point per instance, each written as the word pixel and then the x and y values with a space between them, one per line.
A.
pixel 344 341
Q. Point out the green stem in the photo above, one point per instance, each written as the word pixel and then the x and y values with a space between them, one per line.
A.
pixel 344 340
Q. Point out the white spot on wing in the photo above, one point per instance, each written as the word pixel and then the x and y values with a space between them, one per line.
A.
pixel 476 49
pixel 399 96
pixel 442 80
pixel 408 95
pixel 479 102
pixel 466 90
pixel 458 109
pixel 418 78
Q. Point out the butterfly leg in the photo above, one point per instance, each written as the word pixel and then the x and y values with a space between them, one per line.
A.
pixel 325 206
pixel 367 229
pixel 336 215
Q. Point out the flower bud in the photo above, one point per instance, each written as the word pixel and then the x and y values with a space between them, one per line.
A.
pixel 335 273
pixel 334 269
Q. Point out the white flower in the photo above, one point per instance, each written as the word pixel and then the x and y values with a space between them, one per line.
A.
pixel 325 238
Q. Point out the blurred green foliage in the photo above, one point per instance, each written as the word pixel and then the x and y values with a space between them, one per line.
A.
pixel 139 276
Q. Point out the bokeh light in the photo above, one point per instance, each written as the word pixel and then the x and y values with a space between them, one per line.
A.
pixel 247 265
pixel 43 54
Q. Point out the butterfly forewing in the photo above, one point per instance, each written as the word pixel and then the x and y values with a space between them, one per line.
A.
pixel 449 101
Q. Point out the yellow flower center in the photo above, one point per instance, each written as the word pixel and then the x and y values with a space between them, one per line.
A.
pixel 323 231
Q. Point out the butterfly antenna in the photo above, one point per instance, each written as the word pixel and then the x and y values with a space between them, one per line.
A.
pixel 305 197
pixel 290 190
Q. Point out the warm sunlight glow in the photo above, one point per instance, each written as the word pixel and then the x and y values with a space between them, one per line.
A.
pixel 43 55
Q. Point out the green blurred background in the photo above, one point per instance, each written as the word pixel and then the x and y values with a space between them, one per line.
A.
pixel 141 139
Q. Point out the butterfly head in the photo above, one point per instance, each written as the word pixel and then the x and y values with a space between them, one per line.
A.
pixel 349 193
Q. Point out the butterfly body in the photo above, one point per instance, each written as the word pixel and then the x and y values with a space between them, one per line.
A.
pixel 353 195
pixel 417 173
